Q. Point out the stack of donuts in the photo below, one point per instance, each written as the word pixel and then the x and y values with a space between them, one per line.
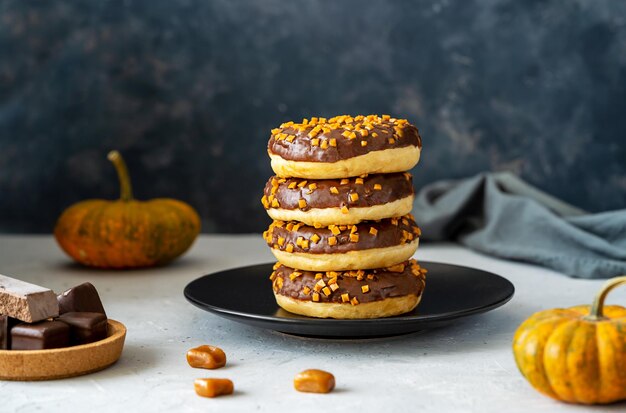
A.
pixel 342 232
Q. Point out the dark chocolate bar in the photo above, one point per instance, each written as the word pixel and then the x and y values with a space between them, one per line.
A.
pixel 39 336
pixel 25 301
pixel 85 327
pixel 82 298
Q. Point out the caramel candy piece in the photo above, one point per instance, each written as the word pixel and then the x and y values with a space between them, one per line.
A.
pixel 314 381
pixel 206 357
pixel 213 387
pixel 26 302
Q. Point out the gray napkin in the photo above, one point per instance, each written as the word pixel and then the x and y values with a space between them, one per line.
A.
pixel 501 215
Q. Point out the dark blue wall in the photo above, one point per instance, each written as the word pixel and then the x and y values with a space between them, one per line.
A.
pixel 188 91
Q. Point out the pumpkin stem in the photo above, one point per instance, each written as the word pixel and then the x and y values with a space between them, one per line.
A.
pixel 597 307
pixel 126 190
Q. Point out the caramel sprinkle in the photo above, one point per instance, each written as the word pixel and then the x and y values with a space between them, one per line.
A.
pixel 396 268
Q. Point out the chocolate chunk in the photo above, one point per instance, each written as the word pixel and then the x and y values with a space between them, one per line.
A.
pixel 39 336
pixel 26 302
pixel 4 332
pixel 6 323
pixel 82 298
pixel 85 327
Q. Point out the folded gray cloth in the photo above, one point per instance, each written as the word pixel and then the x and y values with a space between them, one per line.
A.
pixel 501 215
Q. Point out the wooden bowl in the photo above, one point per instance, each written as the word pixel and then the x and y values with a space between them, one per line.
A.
pixel 59 363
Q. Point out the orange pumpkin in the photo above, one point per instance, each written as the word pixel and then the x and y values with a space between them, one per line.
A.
pixel 578 354
pixel 126 233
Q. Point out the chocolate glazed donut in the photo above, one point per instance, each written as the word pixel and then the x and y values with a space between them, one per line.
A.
pixel 339 201
pixel 371 244
pixel 349 294
pixel 344 146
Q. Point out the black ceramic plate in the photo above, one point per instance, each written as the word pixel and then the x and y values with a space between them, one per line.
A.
pixel 452 292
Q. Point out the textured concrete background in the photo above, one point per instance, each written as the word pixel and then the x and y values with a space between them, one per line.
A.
pixel 188 91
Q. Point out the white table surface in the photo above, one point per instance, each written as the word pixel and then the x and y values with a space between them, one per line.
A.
pixel 466 367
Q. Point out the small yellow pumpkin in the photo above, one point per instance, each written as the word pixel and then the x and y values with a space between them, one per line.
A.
pixel 126 233
pixel 578 354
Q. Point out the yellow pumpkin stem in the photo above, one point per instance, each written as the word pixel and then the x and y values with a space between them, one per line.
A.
pixel 126 190
pixel 597 307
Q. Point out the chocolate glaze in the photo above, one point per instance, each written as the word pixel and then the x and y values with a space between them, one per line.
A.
pixel 393 187
pixel 390 232
pixel 383 283
pixel 302 150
